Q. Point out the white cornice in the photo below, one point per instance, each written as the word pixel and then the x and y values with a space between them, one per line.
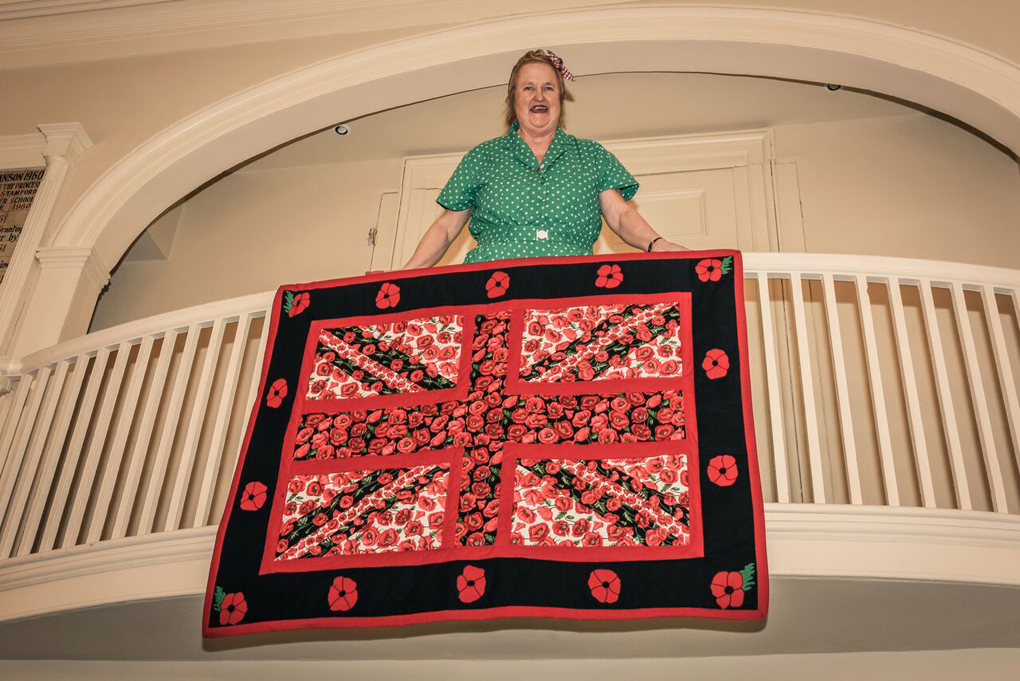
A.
pixel 60 31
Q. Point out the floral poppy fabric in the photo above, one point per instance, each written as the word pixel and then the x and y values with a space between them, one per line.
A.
pixel 387 358
pixel 360 512
pixel 600 342
pixel 607 502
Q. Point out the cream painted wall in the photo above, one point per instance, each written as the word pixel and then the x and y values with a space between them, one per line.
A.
pixel 253 231
pixel 910 186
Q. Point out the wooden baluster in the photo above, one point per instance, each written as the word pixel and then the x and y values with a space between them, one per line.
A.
pixel 119 442
pixel 92 460
pixel 808 388
pixel 775 398
pixel 13 470
pixel 27 480
pixel 219 435
pixel 141 447
pixel 195 423
pixel 1004 367
pixel 846 425
pixel 915 422
pixel 947 410
pixel 162 460
pixel 51 457
pixel 977 395
pixel 892 494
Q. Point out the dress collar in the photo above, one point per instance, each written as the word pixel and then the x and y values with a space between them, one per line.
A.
pixel 522 152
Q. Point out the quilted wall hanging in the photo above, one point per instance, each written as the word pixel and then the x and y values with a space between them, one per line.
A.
pixel 555 437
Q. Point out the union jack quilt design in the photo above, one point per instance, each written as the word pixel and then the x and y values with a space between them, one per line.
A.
pixel 555 437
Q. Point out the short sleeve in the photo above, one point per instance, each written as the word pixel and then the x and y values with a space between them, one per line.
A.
pixel 460 192
pixel 613 175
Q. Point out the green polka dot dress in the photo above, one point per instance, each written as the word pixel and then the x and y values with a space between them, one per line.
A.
pixel 523 208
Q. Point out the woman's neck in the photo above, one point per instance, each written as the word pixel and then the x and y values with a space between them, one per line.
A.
pixel 538 143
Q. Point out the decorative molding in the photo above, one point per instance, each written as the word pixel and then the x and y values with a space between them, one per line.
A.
pixel 86 260
pixel 67 140
pixel 804 540
pixel 58 146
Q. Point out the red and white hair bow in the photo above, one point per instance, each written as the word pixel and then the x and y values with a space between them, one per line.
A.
pixel 558 63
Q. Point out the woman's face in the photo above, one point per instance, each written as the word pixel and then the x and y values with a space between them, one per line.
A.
pixel 537 99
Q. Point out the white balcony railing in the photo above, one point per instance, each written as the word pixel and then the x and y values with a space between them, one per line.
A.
pixel 877 382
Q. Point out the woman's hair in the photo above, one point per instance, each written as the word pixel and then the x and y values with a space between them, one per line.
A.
pixel 532 57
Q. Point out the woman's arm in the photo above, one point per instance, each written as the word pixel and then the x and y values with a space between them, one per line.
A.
pixel 623 219
pixel 437 238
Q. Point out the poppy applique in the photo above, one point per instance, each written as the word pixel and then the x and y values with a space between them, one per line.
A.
pixel 388 296
pixel 722 470
pixel 498 284
pixel 712 269
pixel 277 391
pixel 604 585
pixel 728 587
pixel 295 303
pixel 343 594
pixel 471 584
pixel 716 364
pixel 232 607
pixel 253 496
pixel 609 276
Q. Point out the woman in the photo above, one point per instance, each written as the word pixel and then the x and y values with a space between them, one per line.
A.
pixel 536 191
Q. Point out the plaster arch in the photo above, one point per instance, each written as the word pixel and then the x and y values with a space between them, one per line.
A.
pixel 976 87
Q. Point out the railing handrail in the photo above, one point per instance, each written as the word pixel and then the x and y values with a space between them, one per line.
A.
pixel 808 265
pixel 115 335
pixel 906 270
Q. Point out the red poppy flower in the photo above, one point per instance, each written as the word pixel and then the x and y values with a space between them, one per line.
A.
pixel 709 269
pixel 388 296
pixel 727 587
pixel 232 608
pixel 610 276
pixel 343 594
pixel 604 585
pixel 297 304
pixel 716 364
pixel 722 470
pixel 277 391
pixel 253 496
pixel 471 584
pixel 497 285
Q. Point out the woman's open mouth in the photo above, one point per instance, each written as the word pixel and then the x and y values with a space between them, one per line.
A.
pixel 539 108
